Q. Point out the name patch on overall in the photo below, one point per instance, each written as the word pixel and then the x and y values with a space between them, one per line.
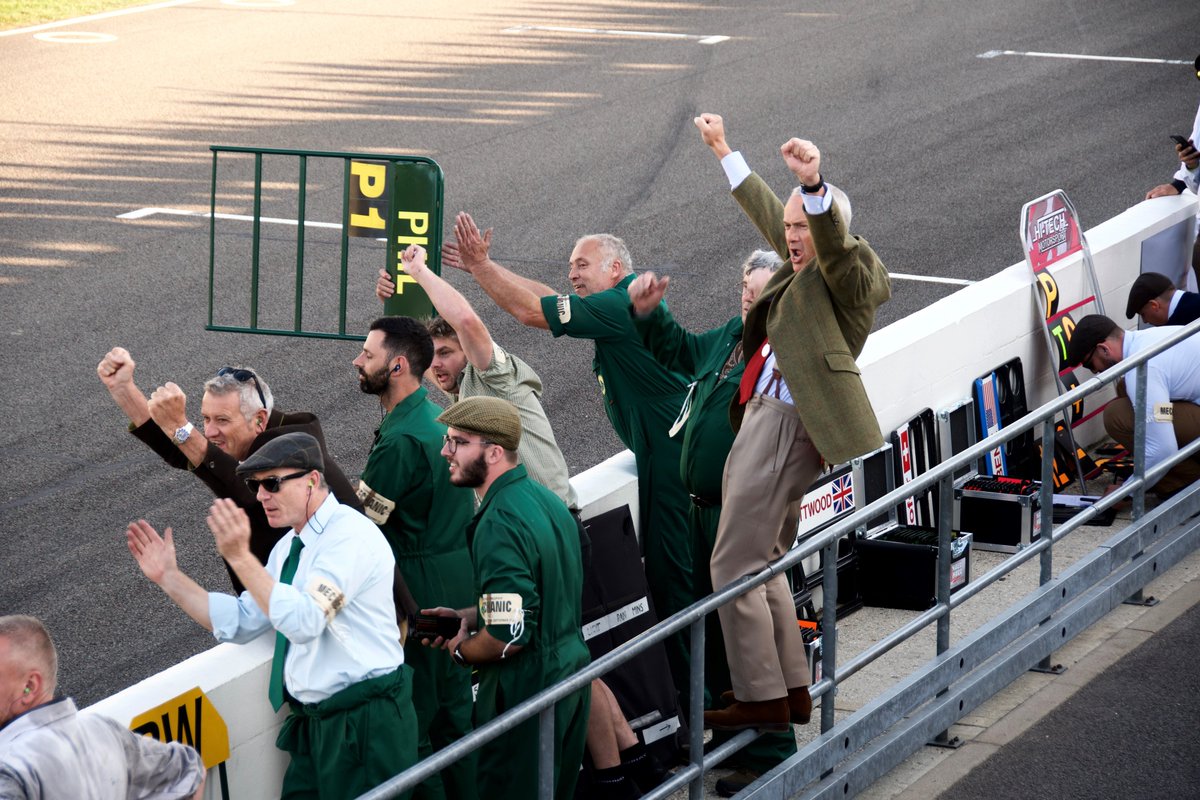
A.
pixel 1164 412
pixel 375 505
pixel 500 608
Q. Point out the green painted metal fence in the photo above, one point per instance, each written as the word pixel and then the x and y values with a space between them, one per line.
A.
pixel 391 199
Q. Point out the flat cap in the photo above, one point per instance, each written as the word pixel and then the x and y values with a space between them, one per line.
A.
pixel 1089 332
pixel 299 450
pixel 495 419
pixel 1148 286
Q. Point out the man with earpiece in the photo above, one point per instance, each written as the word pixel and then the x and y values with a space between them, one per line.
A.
pixel 326 591
pixel 49 750
pixel 239 417
pixel 406 490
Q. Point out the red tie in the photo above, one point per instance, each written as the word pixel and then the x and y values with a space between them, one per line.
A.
pixel 754 368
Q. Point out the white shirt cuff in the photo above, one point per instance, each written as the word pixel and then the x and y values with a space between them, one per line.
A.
pixel 817 203
pixel 736 169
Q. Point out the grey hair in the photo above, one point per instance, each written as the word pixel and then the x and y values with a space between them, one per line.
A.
pixel 840 197
pixel 761 259
pixel 613 249
pixel 31 641
pixel 248 401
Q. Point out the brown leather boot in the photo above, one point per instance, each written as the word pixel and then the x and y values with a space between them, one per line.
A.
pixel 766 715
pixel 800 704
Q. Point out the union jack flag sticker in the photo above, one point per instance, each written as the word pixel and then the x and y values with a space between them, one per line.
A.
pixel 843 494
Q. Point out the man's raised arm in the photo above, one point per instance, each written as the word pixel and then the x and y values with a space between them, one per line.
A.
pixel 448 302
pixel 757 200
pixel 517 295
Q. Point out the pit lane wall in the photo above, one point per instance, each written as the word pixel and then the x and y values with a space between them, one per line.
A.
pixel 928 359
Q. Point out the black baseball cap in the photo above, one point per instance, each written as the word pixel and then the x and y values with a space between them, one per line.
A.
pixel 1089 332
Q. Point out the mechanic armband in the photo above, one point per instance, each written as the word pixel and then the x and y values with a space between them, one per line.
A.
pixel 375 505
pixel 328 597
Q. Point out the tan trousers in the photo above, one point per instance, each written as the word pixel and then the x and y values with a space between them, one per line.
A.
pixel 771 465
pixel 1118 422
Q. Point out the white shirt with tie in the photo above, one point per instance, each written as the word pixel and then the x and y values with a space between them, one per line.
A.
pixel 338 612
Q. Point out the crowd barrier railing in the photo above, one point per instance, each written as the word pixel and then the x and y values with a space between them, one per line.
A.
pixel 850 754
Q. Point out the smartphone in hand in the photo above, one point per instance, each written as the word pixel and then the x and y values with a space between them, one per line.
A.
pixel 1180 140
pixel 429 626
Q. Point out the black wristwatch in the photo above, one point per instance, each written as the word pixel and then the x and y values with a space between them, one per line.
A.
pixel 458 656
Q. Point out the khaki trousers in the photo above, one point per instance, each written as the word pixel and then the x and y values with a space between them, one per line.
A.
pixel 770 466
pixel 1118 422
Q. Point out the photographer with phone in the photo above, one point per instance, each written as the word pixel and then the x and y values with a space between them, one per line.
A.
pixel 1188 174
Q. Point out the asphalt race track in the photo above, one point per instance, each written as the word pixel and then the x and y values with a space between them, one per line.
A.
pixel 569 125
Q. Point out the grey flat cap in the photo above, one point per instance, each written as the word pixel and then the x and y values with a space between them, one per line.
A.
pixel 299 450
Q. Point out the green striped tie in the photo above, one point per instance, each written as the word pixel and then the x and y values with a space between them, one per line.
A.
pixel 275 692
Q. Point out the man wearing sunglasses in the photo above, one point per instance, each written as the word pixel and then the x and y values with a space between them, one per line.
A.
pixel 239 418
pixel 406 491
pixel 326 591
pixel 521 627
pixel 1172 391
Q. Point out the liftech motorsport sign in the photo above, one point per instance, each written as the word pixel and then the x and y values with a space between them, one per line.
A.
pixel 1051 230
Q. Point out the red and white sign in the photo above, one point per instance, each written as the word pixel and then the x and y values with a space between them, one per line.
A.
pixel 1050 231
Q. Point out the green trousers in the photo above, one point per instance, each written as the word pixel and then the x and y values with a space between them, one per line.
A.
pixel 351 742
pixel 508 765
pixel 769 749
pixel 442 693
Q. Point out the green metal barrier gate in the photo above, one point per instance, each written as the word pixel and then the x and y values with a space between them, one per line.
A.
pixel 390 197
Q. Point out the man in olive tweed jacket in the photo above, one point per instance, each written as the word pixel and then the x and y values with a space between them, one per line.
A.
pixel 802 402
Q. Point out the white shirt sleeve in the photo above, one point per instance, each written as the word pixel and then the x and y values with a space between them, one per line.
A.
pixel 236 619
pixel 1160 433
pixel 736 169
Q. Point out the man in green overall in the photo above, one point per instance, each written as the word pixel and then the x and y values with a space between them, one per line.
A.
pixel 640 397
pixel 524 633
pixel 405 490
pixel 714 360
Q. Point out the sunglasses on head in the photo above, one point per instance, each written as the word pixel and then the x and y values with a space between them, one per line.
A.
pixel 272 484
pixel 244 376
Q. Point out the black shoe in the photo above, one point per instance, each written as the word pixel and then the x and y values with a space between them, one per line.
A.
pixel 735 782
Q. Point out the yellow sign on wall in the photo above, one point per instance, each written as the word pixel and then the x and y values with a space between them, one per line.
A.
pixel 192 719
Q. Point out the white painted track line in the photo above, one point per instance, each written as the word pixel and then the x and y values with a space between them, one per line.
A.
pixel 149 212
pixel 929 279
pixel 142 213
pixel 1080 57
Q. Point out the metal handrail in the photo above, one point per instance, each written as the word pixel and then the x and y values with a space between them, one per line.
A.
pixel 942 476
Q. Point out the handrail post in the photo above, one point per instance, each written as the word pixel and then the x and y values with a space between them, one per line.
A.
pixel 1139 598
pixel 829 590
pixel 696 710
pixel 1046 512
pixel 546 753
pixel 945 518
